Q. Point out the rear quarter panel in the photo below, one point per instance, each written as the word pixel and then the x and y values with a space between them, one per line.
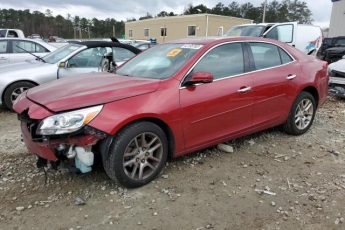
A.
pixel 314 74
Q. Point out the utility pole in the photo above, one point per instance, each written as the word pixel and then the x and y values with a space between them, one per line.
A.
pixel 264 13
pixel 113 30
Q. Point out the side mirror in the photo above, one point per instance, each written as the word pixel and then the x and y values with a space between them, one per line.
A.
pixel 200 77
pixel 343 57
pixel 63 64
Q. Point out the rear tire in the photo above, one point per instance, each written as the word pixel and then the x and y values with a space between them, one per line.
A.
pixel 136 155
pixel 14 90
pixel 301 115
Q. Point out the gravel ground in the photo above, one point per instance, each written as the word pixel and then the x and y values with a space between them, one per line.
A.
pixel 270 181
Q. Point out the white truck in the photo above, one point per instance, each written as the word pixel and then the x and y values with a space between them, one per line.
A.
pixel 11 33
pixel 307 38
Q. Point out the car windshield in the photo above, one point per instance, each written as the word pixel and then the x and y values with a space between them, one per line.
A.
pixel 253 31
pixel 159 62
pixel 60 53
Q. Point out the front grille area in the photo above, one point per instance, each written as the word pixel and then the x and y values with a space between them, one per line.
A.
pixel 335 73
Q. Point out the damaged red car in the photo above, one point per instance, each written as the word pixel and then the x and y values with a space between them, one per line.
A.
pixel 173 99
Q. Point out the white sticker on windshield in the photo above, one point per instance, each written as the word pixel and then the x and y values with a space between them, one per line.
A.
pixel 191 46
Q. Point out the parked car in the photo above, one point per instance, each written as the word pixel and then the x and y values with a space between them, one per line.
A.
pixel 14 50
pixel 36 36
pixel 329 43
pixel 334 54
pixel 337 78
pixel 11 33
pixel 70 60
pixel 144 45
pixel 307 38
pixel 170 100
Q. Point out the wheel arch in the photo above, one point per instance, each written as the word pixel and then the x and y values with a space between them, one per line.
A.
pixel 314 92
pixel 3 92
pixel 163 125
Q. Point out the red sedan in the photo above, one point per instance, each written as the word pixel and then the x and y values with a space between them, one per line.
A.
pixel 173 99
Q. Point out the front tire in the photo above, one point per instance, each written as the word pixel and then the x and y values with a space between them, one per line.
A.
pixel 301 115
pixel 137 154
pixel 14 90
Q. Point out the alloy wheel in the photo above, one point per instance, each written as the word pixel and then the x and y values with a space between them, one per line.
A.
pixel 304 114
pixel 16 92
pixel 142 156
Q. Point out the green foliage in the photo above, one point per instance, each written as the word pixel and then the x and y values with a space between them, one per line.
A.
pixel 46 24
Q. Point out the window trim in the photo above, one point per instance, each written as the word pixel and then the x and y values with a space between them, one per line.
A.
pixel 148 32
pixel 130 33
pixel 195 30
pixel 237 75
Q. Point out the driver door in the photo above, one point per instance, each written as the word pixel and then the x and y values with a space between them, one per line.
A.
pixel 86 61
pixel 222 108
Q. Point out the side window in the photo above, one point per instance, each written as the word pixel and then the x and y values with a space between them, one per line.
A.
pixel 12 34
pixel 285 58
pixel 3 47
pixel 222 61
pixel 122 55
pixel 281 33
pixel 41 49
pixel 265 55
pixel 23 46
pixel 89 58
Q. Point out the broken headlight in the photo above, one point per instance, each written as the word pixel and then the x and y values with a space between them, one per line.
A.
pixel 68 122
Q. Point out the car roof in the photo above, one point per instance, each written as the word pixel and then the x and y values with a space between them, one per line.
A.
pixel 211 40
pixel 41 42
pixel 93 44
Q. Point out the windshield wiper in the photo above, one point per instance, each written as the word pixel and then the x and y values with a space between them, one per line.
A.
pixel 37 57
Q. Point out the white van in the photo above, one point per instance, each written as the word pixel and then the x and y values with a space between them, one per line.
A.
pixel 11 33
pixel 307 38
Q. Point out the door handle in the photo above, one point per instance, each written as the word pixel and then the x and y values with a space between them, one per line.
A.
pixel 244 89
pixel 291 76
pixel 3 58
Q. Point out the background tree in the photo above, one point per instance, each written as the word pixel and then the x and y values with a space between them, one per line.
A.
pixel 47 24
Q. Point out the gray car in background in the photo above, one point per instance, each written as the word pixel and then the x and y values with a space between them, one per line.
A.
pixel 14 50
pixel 73 59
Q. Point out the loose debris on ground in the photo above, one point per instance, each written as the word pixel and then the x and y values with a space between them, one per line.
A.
pixel 268 180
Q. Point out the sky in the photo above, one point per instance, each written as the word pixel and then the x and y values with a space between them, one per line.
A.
pixel 122 10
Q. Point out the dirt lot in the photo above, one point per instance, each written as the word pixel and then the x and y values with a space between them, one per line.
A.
pixel 303 179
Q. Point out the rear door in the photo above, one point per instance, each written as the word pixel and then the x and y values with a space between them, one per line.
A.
pixel 221 108
pixel 274 75
pixel 284 32
pixel 4 49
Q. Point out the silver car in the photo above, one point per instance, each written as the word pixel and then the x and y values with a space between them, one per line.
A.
pixel 14 50
pixel 73 59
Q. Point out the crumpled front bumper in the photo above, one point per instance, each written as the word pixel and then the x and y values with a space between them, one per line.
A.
pixel 47 148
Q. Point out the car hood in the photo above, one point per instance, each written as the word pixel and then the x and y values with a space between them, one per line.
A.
pixel 89 89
